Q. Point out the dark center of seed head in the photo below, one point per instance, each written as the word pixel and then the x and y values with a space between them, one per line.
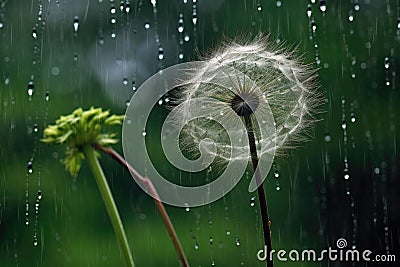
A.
pixel 244 104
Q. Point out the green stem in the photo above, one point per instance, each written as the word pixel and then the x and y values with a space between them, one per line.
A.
pixel 109 203
pixel 160 206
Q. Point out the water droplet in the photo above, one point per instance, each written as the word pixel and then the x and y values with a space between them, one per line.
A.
pixel 30 167
pixel 196 245
pixel 127 7
pixel 133 86
pixel 194 18
pixel 211 241
pixel 186 38
pixel 278 3
pixel 153 2
pixel 31 86
pixel 1 25
pixel 344 126
pixel 26 221
pixel 187 209
pixel 113 20
pixel 35 243
pixel 125 81
pixel 252 201
pixel 180 56
pixel 34 33
pixel 278 187
pixel 276 174
pixel 398 23
pixel 39 194
pixel 55 71
pixel 180 23
pixel 259 7
pixel 322 5
pixel 327 138
pixel 113 35
pixel 76 24
pixel 237 241
pixel 144 133
pixel 113 9
pixel 127 103
pixel 147 25
pixel 346 174
pixel 313 1
pixel 351 17
pixel 47 96
pixel 160 53
pixel 387 63
pixel 356 7
pixel 313 26
pixel 35 128
pixel 309 11
pixel 228 232
pixel 352 118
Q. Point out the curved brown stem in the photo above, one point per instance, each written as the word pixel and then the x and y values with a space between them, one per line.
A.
pixel 160 206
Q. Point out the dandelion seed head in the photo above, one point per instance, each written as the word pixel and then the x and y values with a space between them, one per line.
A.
pixel 255 78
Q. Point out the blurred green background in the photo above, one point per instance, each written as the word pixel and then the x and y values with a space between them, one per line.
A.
pixel 96 62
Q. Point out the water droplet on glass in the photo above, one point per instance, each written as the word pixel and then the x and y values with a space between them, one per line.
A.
pixel 327 138
pixel 228 232
pixel 180 23
pixel 356 7
pixel 309 11
pixel 278 3
pixel 47 96
pixel 39 194
pixel 30 88
pixel 346 174
pixel 160 53
pixel 30 167
pixel 76 24
pixel 278 187
pixel 113 9
pixel 252 201
pixel 313 26
pixel 133 86
pixel 26 221
pixel 352 118
pixel 35 128
pixel 313 1
pixel 344 125
pixel 34 33
pixel 1 25
pixel 153 2
pixel 55 71
pixel 147 25
pixel 127 7
pixel 113 20
pixel 160 102
pixel 35 243
pixel 322 5
pixel 187 209
pixel 196 245
pixel 387 63
pixel 211 241
pixel 144 133
pixel 125 81
pixel 237 241
pixel 186 38
pixel 180 56
pixel 259 8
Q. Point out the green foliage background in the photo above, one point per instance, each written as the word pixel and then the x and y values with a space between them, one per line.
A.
pixel 311 210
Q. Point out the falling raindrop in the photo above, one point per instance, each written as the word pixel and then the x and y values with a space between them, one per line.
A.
pixel 125 81
pixel 237 241
pixel 76 24
pixel 30 167
pixel 30 88
pixel 34 32
pixel 259 7
pixel 160 53
pixel 386 63
pixel 309 11
pixel 252 201
pixel 180 23
pixel 322 6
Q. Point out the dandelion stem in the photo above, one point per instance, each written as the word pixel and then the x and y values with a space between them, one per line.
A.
pixel 260 190
pixel 160 206
pixel 109 203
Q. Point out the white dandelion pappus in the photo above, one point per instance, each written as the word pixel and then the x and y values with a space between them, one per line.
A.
pixel 273 83
pixel 238 86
